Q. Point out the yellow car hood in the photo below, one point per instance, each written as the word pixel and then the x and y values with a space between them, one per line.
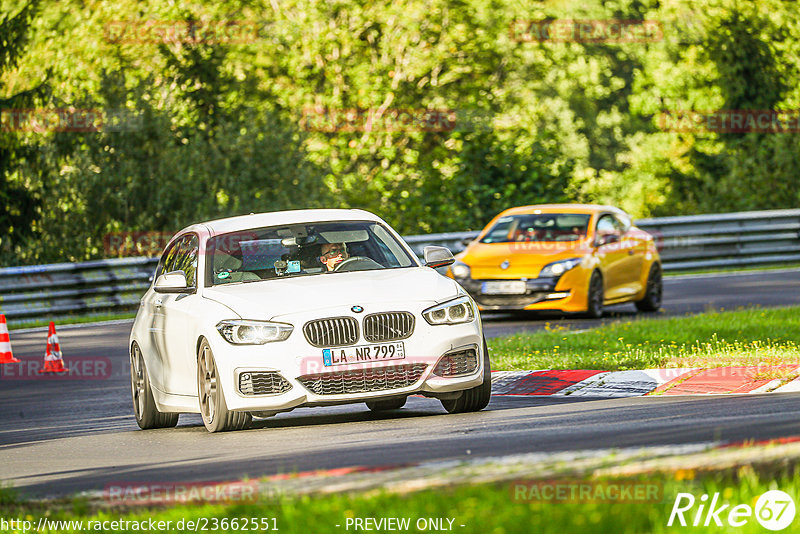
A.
pixel 525 259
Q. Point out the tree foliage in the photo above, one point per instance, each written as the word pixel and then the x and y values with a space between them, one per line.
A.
pixel 209 126
pixel 18 204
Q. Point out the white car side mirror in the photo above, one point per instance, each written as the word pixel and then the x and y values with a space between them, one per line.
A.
pixel 437 256
pixel 174 282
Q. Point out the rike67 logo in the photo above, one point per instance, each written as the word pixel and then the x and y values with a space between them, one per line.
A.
pixel 774 510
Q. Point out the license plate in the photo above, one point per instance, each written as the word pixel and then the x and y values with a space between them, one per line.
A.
pixel 511 287
pixel 363 353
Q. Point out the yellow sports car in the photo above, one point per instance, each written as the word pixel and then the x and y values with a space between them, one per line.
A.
pixel 566 257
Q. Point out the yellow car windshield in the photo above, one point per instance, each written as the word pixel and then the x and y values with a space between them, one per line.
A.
pixel 538 227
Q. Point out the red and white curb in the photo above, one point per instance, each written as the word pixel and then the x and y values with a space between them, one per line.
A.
pixel 635 383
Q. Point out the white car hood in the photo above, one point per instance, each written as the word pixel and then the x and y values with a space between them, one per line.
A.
pixel 270 299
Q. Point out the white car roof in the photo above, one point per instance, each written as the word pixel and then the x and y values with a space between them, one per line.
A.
pixel 278 218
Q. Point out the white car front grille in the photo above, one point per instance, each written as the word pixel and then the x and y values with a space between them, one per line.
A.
pixel 389 326
pixel 331 332
pixel 364 380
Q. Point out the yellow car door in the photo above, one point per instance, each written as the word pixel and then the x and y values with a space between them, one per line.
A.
pixel 634 247
pixel 611 256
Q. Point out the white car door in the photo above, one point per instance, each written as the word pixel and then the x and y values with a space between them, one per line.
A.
pixel 178 313
pixel 153 345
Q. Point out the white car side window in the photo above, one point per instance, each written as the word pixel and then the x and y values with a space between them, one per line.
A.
pixel 182 256
pixel 186 259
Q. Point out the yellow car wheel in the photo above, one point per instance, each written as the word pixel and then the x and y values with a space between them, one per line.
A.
pixel 595 296
pixel 655 289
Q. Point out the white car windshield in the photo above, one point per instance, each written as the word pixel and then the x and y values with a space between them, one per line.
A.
pixel 302 250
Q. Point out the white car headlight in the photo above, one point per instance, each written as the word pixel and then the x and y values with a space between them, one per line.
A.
pixel 557 268
pixel 456 311
pixel 460 270
pixel 244 332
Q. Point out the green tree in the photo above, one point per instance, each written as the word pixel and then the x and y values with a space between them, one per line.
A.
pixel 18 204
pixel 743 171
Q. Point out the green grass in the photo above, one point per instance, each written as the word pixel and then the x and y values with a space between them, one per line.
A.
pixel 484 508
pixel 8 495
pixel 753 337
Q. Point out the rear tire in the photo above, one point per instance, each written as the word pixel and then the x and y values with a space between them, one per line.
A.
pixel 595 296
pixel 213 409
pixel 386 404
pixel 477 398
pixel 654 292
pixel 144 406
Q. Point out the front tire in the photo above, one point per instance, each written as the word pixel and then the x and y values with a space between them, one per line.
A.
pixel 595 296
pixel 477 398
pixel 213 409
pixel 654 292
pixel 144 406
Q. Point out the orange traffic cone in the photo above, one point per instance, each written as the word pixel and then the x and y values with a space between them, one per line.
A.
pixel 53 362
pixel 5 343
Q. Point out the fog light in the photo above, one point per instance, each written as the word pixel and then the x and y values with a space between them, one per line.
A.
pixel 457 363
pixel 246 384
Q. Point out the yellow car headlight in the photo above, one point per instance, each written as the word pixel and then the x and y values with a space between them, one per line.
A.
pixel 460 270
pixel 557 268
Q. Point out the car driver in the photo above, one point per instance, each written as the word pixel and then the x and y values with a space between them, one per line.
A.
pixel 332 254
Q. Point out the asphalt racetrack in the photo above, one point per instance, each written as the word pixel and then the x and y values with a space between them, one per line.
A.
pixel 62 436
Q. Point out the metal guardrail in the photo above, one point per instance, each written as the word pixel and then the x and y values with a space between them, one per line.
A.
pixel 686 242
pixel 45 291
pixel 726 240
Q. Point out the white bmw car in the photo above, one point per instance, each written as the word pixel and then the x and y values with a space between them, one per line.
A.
pixel 259 314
